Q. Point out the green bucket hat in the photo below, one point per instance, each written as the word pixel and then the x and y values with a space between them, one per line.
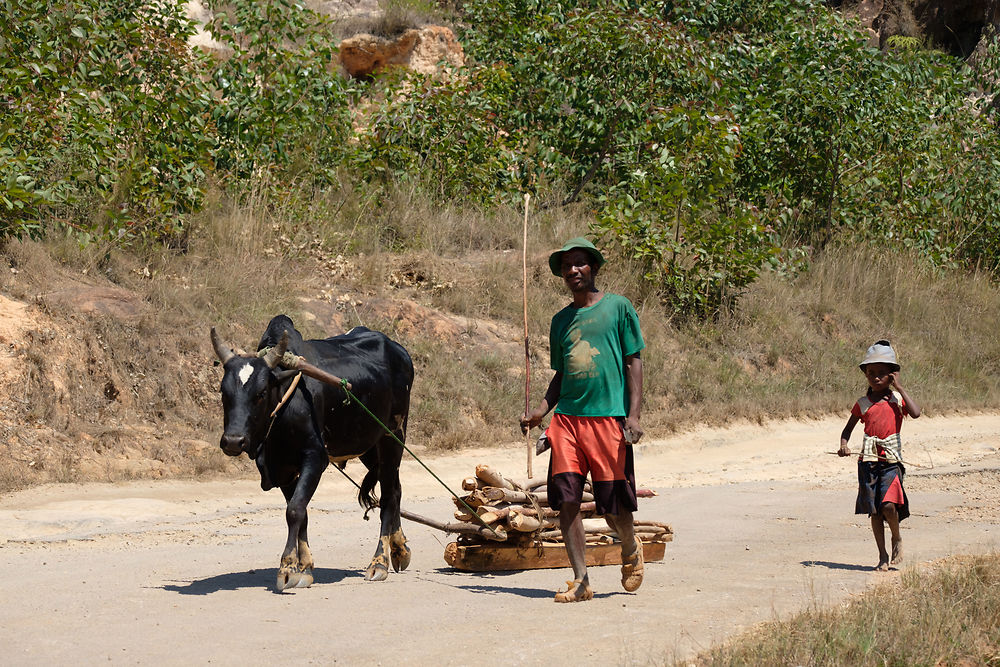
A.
pixel 555 259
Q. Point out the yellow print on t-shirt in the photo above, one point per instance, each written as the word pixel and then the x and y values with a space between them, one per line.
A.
pixel 581 354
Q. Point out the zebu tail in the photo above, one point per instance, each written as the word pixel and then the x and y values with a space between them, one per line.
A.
pixel 366 494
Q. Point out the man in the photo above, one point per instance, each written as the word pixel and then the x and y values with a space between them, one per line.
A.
pixel 597 394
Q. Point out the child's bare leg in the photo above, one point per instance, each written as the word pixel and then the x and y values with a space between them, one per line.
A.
pixel 878 530
pixel 892 518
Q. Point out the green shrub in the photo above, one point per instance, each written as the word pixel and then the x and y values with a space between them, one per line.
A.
pixel 281 104
pixel 104 118
pixel 442 134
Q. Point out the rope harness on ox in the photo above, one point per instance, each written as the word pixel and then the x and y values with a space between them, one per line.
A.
pixel 345 385
pixel 293 361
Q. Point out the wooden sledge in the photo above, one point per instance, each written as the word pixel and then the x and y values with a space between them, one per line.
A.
pixel 496 557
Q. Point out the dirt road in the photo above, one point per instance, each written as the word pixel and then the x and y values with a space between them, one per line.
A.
pixel 183 572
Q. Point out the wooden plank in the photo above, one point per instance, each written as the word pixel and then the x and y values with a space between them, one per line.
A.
pixel 500 557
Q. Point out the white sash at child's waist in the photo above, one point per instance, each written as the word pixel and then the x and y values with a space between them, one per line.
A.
pixel 892 446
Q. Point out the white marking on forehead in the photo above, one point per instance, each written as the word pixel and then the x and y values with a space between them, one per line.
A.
pixel 245 374
pixel 353 329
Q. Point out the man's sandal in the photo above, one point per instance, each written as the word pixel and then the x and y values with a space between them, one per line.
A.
pixel 632 569
pixel 578 592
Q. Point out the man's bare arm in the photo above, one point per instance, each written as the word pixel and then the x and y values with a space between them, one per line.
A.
pixel 532 420
pixel 633 379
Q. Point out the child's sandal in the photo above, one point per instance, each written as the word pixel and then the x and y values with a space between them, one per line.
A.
pixel 632 569
pixel 577 592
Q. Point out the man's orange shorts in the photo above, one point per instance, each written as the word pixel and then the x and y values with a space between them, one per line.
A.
pixel 594 445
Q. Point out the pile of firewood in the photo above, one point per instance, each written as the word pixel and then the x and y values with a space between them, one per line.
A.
pixel 517 514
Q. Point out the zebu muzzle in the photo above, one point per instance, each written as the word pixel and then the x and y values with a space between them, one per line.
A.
pixel 233 445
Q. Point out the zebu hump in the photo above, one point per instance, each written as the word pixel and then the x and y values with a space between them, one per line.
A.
pixel 278 325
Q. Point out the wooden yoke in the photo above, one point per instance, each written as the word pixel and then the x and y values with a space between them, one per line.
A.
pixel 293 361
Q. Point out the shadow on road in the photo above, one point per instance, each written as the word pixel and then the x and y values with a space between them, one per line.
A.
pixel 837 566
pixel 537 593
pixel 519 591
pixel 256 579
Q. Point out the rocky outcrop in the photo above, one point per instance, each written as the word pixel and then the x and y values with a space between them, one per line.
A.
pixel 419 49
pixel 340 10
pixel 202 38
pixel 954 25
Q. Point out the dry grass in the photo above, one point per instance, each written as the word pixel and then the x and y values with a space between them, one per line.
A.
pixel 791 348
pixel 394 18
pixel 947 616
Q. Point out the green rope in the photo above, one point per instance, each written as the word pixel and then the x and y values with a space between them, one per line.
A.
pixel 473 512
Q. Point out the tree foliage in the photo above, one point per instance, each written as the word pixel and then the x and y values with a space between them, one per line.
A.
pixel 103 116
pixel 281 105
pixel 710 138
pixel 827 138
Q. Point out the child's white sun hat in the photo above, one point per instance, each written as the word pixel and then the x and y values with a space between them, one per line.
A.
pixel 880 352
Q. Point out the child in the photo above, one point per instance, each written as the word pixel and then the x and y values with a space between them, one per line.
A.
pixel 880 466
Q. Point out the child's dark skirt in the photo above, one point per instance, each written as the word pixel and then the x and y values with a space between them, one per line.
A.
pixel 878 483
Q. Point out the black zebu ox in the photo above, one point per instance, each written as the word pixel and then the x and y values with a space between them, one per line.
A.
pixel 320 424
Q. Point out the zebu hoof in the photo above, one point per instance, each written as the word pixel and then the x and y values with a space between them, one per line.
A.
pixel 376 573
pixel 294 579
pixel 400 557
pixel 287 579
pixel 378 570
pixel 305 579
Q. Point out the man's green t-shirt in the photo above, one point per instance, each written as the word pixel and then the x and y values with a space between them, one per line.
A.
pixel 589 346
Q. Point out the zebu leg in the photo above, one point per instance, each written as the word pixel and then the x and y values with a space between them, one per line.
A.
pixel 400 552
pixel 392 542
pixel 296 569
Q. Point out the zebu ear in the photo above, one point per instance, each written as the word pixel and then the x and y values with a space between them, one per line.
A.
pixel 275 354
pixel 222 350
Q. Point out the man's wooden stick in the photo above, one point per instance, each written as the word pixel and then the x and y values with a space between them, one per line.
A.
pixel 527 357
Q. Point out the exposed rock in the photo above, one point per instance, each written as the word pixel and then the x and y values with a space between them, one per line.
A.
pixel 420 49
pixel 105 300
pixel 339 10
pixel 203 39
pixel 956 25
pixel 192 447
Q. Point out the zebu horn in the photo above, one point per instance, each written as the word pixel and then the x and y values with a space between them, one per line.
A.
pixel 222 350
pixel 274 355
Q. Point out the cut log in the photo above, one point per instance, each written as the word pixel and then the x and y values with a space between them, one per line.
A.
pixel 530 484
pixel 523 523
pixel 474 499
pixel 502 557
pixel 492 515
pixel 469 484
pixel 492 477
pixel 496 494
pixel 652 524
pixel 649 533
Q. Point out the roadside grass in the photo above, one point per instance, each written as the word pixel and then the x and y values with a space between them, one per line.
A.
pixel 946 615
pixel 789 349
